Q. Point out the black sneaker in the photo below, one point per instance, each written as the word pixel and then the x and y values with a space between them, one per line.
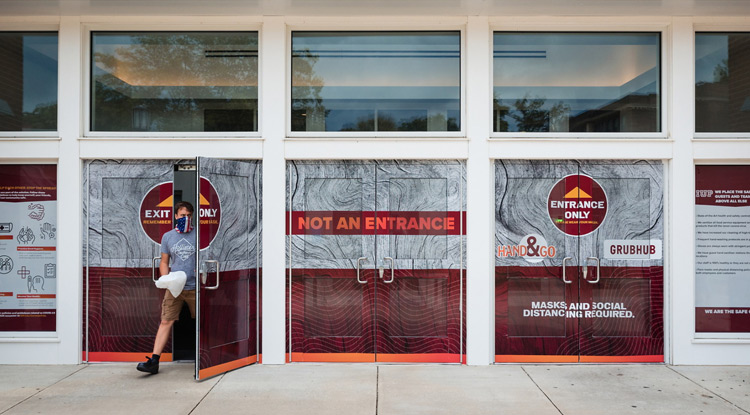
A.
pixel 149 366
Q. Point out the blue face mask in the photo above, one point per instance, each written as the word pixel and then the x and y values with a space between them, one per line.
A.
pixel 183 225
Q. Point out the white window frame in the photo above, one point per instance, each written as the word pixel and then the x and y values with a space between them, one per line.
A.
pixel 359 24
pixel 594 25
pixel 161 24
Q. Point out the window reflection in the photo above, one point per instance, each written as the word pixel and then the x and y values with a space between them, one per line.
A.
pixel 722 94
pixel 174 81
pixel 576 82
pixel 28 81
pixel 375 81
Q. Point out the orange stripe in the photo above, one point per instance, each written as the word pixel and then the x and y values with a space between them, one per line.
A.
pixel 420 358
pixel 123 357
pixel 226 367
pixel 6 236
pixel 521 358
pixel 657 358
pixel 333 357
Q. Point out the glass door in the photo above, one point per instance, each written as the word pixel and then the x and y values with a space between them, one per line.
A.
pixel 127 209
pixel 536 273
pixel 375 261
pixel 419 248
pixel 332 256
pixel 228 263
pixel 622 267
pixel 579 274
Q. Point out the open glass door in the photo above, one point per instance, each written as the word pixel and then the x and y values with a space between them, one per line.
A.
pixel 228 262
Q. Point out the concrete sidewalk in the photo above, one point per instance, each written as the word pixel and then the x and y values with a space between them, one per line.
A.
pixel 344 389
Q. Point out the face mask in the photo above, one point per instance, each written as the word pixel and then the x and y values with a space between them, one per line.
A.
pixel 183 225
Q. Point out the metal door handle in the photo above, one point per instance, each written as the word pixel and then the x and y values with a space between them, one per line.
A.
pixel 359 260
pixel 392 276
pixel 585 269
pixel 153 268
pixel 204 273
pixel 563 267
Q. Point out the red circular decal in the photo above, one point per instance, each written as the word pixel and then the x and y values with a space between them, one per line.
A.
pixel 577 205
pixel 210 213
pixel 156 211
pixel 157 217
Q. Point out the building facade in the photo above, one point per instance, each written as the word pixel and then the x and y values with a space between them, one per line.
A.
pixel 472 184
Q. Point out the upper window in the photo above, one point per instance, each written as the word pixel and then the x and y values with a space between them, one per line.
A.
pixel 28 81
pixel 174 81
pixel 576 82
pixel 376 81
pixel 722 92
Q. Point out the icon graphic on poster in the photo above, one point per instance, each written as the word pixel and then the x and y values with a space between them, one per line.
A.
pixel 37 211
pixel 25 235
pixel 6 264
pixel 47 230
pixel 32 282
pixel 23 272
pixel 50 271
pixel 6 227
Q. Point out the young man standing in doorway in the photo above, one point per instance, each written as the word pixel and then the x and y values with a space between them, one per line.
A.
pixel 179 245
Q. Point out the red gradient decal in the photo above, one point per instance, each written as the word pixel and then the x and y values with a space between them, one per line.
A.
pixel 376 223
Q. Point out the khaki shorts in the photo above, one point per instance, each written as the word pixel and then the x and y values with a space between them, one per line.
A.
pixel 171 307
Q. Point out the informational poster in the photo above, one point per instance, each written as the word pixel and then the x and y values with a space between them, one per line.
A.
pixel 722 249
pixel 28 245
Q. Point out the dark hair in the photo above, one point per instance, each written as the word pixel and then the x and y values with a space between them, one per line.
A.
pixel 184 204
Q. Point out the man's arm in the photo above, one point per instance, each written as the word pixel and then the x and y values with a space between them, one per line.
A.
pixel 164 264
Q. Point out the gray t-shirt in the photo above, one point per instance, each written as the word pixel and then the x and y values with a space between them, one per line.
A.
pixel 181 249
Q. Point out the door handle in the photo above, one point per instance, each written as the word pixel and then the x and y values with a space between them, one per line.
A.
pixel 153 268
pixel 392 275
pixel 563 267
pixel 359 260
pixel 586 268
pixel 204 273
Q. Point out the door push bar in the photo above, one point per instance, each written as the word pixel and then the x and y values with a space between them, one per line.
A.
pixel 382 270
pixel 586 268
pixel 153 268
pixel 204 273
pixel 565 280
pixel 359 261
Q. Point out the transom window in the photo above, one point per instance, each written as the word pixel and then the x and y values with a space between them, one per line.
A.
pixel 576 82
pixel 28 81
pixel 174 81
pixel 376 81
pixel 722 95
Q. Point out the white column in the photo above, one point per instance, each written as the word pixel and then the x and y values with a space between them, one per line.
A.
pixel 480 287
pixel 681 193
pixel 69 222
pixel 273 109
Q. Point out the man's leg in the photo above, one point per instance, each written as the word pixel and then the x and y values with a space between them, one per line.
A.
pixel 162 335
pixel 170 311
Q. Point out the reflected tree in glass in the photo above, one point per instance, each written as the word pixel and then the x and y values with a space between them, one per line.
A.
pixel 175 82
